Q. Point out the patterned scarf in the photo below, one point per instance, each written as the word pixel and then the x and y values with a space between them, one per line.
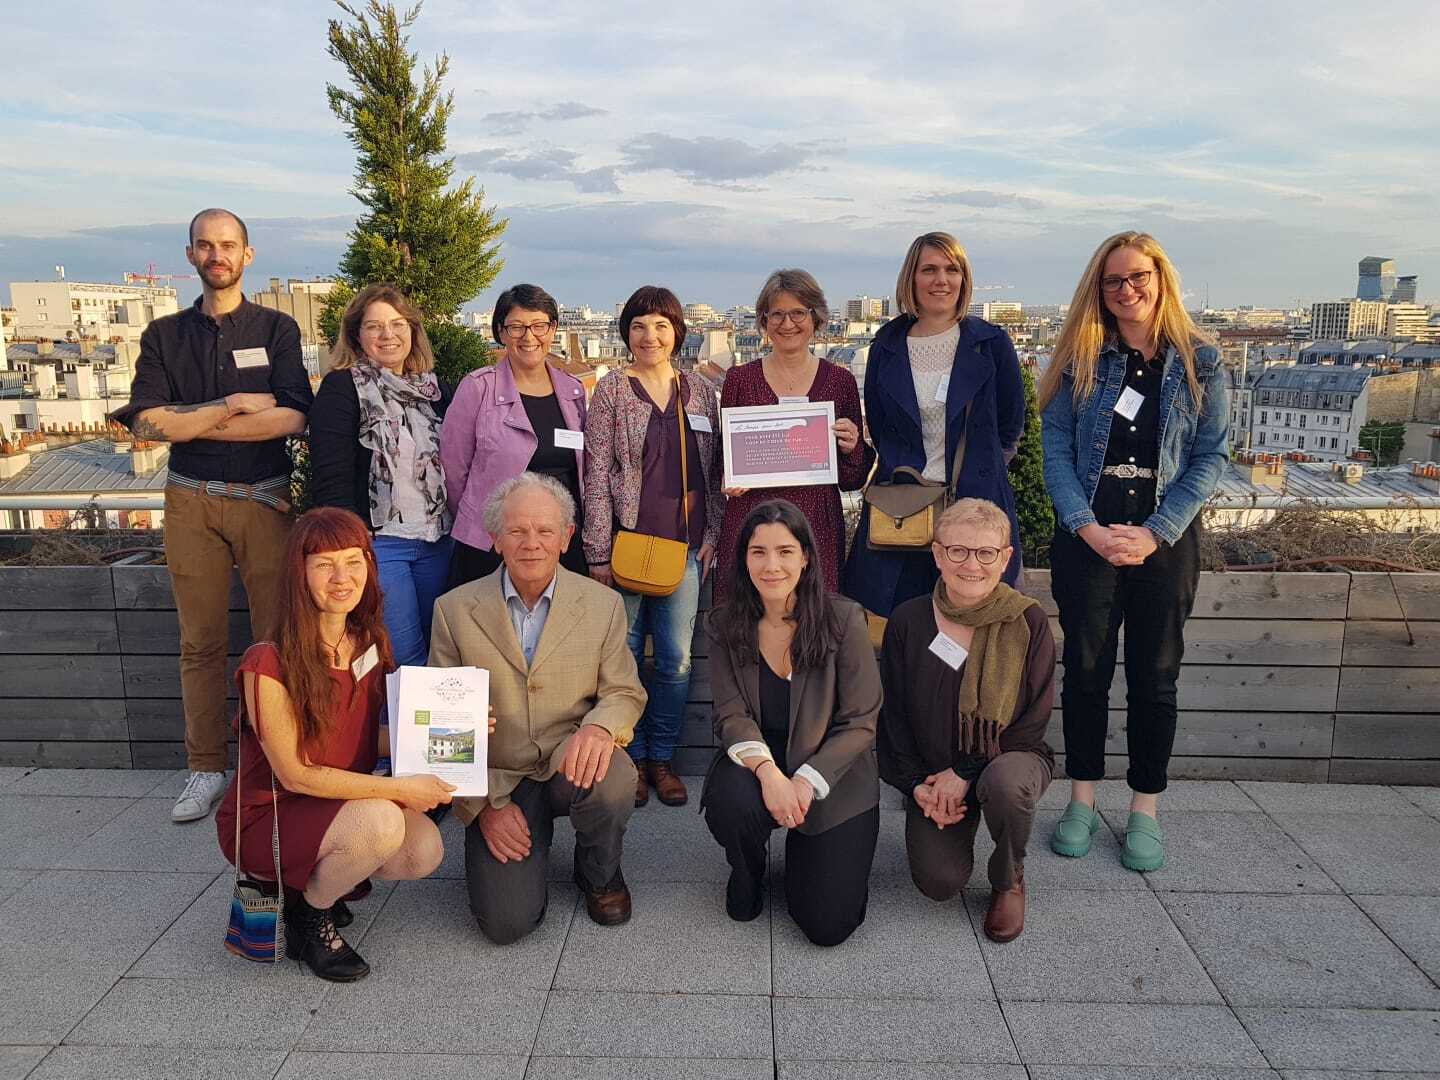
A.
pixel 995 667
pixel 388 401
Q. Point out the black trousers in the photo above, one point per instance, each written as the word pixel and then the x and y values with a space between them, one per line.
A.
pixel 1151 601
pixel 827 875
pixel 508 899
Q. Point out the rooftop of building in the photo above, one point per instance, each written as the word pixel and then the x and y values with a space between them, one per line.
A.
pixel 1315 481
pixel 91 467
pixel 88 351
pixel 1345 380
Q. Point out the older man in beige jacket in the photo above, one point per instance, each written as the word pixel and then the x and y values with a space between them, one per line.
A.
pixel 565 692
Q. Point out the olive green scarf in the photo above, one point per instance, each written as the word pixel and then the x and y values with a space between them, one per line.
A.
pixel 995 668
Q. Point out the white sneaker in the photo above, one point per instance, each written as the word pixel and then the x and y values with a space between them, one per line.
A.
pixel 202 792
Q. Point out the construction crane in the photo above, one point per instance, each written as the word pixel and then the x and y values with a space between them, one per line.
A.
pixel 149 276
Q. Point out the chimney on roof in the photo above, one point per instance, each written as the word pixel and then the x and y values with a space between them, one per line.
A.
pixel 150 459
pixel 44 347
pixel 1262 470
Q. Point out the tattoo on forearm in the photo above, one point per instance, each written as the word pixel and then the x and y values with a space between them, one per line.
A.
pixel 148 429
pixel 194 408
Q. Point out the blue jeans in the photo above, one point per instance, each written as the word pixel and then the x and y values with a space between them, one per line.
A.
pixel 413 574
pixel 669 621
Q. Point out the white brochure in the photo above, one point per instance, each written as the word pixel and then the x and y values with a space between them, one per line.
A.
pixel 439 724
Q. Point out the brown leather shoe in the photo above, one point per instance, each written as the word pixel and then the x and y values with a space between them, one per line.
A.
pixel 669 787
pixel 1006 917
pixel 642 784
pixel 608 905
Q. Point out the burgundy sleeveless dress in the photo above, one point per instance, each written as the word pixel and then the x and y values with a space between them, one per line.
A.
pixel 350 744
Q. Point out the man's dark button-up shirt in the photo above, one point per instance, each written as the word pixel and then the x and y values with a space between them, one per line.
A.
pixel 189 359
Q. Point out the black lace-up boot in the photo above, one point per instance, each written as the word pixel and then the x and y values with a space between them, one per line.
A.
pixel 311 938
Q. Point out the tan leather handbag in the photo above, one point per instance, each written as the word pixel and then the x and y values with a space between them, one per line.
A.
pixel 654 565
pixel 902 517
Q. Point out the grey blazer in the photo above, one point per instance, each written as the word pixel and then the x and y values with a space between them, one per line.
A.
pixel 833 714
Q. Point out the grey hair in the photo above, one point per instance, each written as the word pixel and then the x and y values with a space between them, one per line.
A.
pixel 495 505
pixel 980 513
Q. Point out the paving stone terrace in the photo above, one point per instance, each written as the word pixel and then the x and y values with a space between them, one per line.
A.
pixel 1295 933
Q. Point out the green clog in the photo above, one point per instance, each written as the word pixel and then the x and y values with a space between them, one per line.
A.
pixel 1073 832
pixel 1144 841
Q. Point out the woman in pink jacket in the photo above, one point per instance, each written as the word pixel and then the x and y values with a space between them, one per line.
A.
pixel 522 414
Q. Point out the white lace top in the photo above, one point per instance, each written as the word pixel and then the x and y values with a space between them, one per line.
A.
pixel 930 361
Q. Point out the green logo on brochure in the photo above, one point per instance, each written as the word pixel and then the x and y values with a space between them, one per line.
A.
pixel 422 717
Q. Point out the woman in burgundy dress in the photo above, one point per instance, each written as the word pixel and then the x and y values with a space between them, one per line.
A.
pixel 310 736
pixel 790 309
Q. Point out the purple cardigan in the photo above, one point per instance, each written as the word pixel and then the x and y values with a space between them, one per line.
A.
pixel 487 438
pixel 614 441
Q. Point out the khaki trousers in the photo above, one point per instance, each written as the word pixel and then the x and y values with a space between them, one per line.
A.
pixel 1007 790
pixel 205 536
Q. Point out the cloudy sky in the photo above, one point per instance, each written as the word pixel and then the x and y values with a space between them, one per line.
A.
pixel 1269 146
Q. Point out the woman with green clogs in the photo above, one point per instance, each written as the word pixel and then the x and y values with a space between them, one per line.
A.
pixel 1135 437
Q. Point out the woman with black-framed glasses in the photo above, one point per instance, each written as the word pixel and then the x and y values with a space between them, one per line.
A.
pixel 1135 437
pixel 525 414
pixel 969 674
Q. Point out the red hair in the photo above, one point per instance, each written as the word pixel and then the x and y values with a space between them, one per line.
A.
pixel 303 656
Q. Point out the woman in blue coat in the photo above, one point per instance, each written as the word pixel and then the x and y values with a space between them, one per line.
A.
pixel 935 372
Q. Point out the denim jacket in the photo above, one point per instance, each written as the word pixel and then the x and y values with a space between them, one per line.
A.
pixel 1194 447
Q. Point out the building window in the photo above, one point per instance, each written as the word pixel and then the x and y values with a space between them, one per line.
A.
pixel 1302 419
pixel 1264 417
pixel 41 301
pixel 42 317
pixel 20 422
pixel 1262 438
pixel 1333 441
pixel 1301 443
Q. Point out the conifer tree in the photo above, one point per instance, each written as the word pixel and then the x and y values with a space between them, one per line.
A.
pixel 1033 509
pixel 439 244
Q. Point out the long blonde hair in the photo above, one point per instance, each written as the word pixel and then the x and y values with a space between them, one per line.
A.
pixel 1089 323
pixel 905 284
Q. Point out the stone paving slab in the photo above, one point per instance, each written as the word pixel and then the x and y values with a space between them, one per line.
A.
pixel 12 880
pixel 582 1024
pixel 1230 852
pixel 363 1016
pixel 1126 1072
pixel 1383 1041
pixel 308 1065
pixel 1131 1036
pixel 122 1063
pixel 1183 796
pixel 853 1030
pixel 559 1068
pixel 36 1010
pixel 1371 854
pixel 38 832
pixel 142 837
pixel 1278 798
pixel 426 934
pixel 679 937
pixel 1427 798
pixel 192 946
pixel 16 1062
pixel 1308 1074
pixel 1044 870
pixel 1412 923
pixel 1298 950
pixel 199 1014
pixel 10 773
pixel 103 783
pixel 1087 946
pixel 890 1070
pixel 907 947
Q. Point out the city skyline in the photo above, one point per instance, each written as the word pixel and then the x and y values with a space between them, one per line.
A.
pixel 703 154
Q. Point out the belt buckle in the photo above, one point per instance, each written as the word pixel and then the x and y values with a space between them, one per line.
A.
pixel 1126 472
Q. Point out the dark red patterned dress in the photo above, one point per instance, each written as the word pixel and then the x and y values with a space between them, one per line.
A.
pixel 745 385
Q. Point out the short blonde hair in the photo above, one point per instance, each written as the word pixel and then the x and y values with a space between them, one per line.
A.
pixel 347 349
pixel 980 513
pixel 905 284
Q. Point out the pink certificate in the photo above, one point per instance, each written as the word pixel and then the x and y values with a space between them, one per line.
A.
pixel 780 445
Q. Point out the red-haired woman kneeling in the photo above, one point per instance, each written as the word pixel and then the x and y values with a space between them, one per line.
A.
pixel 310 735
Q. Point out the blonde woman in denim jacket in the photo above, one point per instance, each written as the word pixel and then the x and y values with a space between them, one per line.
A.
pixel 1135 428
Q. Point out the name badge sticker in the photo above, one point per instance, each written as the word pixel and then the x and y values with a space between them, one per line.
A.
pixel 361 667
pixel 251 358
pixel 565 439
pixel 699 423
pixel 794 399
pixel 1129 403
pixel 949 650
pixel 943 390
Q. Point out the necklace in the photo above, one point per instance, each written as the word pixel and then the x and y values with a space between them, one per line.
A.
pixel 335 649
pixel 786 387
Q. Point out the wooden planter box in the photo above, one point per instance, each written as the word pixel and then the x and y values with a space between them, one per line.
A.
pixel 1286 676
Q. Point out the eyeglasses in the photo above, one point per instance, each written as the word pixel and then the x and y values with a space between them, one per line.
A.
pixel 958 553
pixel 1138 280
pixel 395 326
pixel 517 330
pixel 800 316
